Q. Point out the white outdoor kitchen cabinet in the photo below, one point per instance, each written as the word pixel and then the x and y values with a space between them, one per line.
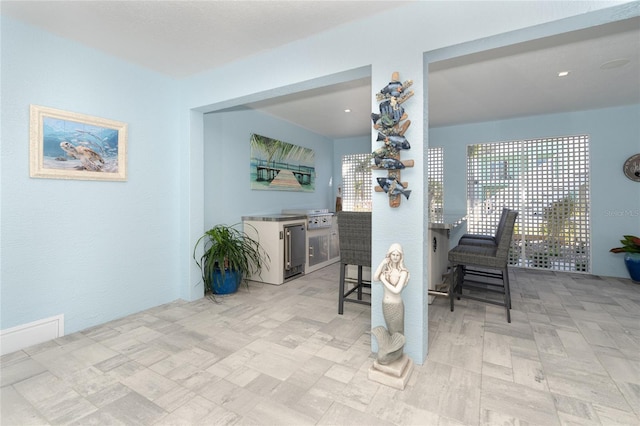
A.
pixel 283 237
pixel 323 247
pixel 437 246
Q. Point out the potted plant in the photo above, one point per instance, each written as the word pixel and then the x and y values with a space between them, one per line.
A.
pixel 230 256
pixel 631 249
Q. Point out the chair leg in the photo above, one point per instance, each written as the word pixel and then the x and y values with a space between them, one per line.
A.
pixel 461 269
pixel 507 287
pixel 359 282
pixel 341 291
pixel 453 283
pixel 507 293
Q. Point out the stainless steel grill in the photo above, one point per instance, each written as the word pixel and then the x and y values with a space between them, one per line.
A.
pixel 316 218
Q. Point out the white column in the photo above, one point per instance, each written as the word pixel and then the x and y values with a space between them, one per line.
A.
pixel 406 224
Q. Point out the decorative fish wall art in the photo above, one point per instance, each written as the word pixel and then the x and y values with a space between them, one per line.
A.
pixel 391 123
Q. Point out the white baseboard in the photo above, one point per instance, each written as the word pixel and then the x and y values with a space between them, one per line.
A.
pixel 22 336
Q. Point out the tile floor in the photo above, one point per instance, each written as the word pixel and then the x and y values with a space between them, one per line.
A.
pixel 283 356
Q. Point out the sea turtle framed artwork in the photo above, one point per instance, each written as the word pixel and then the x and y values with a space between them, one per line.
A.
pixel 69 145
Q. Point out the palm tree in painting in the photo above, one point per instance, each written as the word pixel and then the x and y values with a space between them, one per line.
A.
pixel 266 146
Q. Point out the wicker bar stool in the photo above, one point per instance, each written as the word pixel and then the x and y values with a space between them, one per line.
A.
pixel 486 261
pixel 354 236
pixel 486 240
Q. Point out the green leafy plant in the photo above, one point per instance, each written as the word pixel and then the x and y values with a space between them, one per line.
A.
pixel 226 248
pixel 630 244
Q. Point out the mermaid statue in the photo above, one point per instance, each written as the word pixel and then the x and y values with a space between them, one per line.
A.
pixel 394 277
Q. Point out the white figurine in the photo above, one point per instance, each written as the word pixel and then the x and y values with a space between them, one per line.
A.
pixel 394 276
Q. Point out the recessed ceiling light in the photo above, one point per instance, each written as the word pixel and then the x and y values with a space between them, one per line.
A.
pixel 563 73
pixel 616 63
pixel 347 110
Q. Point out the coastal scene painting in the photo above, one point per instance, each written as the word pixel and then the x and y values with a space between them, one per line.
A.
pixel 67 145
pixel 281 166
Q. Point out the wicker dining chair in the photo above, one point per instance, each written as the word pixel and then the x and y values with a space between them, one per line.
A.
pixel 485 261
pixel 354 236
pixel 486 240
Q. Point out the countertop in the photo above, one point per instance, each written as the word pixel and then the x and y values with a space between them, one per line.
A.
pixel 436 221
pixel 447 220
pixel 276 217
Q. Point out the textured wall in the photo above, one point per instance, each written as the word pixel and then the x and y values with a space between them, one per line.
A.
pixel 93 251
pixel 614 135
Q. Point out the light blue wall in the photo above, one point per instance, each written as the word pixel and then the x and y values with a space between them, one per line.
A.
pixel 227 188
pixel 614 135
pixel 90 250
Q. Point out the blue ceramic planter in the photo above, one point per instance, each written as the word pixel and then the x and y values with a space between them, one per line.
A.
pixel 632 260
pixel 227 285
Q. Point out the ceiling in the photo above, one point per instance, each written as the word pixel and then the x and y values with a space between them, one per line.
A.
pixel 181 38
pixel 522 79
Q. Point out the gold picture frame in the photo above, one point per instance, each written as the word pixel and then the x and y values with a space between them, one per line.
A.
pixel 69 145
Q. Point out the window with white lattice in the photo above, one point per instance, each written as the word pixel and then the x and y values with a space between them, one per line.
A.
pixel 356 182
pixel 547 181
pixel 435 176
